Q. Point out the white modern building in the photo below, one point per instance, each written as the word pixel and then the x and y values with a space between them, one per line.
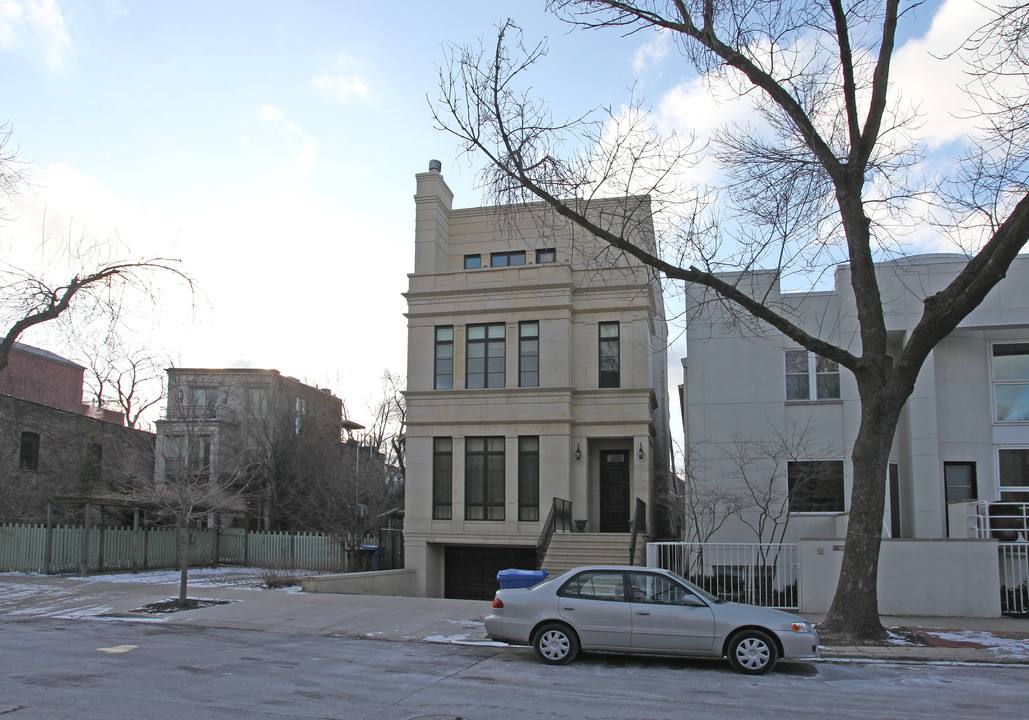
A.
pixel 536 370
pixel 757 405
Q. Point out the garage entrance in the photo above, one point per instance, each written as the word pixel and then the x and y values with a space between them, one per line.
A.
pixel 470 573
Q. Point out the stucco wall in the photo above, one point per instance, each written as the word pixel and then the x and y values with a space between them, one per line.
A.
pixel 380 582
pixel 946 578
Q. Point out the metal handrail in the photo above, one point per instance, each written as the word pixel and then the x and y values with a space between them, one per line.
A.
pixel 639 527
pixel 559 518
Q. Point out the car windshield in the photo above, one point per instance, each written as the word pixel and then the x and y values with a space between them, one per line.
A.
pixel 696 588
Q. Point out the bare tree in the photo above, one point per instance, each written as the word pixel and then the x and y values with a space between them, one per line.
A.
pixel 195 477
pixel 386 433
pixel 827 176
pixel 118 375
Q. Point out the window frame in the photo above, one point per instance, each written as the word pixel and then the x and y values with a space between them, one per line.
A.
pixel 442 478
pixel 609 379
pixel 491 485
pixel 504 258
pixel 494 348
pixel 1020 491
pixel 524 354
pixel 28 451
pixel 973 480
pixel 437 345
pixel 815 370
pixel 1021 383
pixel 813 496
pixel 528 478
pixel 473 261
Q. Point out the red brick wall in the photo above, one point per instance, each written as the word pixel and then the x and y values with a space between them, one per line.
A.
pixel 43 380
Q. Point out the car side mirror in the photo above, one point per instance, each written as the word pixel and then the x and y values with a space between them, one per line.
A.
pixel 693 601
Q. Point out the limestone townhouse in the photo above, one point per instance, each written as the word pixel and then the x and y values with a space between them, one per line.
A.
pixel 536 370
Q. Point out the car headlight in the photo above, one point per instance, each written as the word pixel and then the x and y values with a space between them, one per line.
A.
pixel 799 626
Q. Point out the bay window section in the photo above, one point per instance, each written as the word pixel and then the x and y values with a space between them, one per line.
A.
pixel 484 478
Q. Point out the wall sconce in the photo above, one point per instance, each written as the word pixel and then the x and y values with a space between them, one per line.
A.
pixel 640 453
pixel 578 451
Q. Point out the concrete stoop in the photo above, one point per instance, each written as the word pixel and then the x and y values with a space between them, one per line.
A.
pixel 569 550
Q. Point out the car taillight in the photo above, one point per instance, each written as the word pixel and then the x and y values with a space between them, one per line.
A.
pixel 497 602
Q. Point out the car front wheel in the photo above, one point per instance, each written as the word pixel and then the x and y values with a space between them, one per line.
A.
pixel 556 644
pixel 752 652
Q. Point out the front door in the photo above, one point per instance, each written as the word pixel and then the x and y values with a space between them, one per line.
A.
pixel 614 491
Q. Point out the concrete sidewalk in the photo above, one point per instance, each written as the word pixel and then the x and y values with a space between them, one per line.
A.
pixel 974 640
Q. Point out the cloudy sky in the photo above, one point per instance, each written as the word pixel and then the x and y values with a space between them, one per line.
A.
pixel 272 147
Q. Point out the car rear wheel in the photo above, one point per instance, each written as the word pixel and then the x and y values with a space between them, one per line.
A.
pixel 752 652
pixel 556 644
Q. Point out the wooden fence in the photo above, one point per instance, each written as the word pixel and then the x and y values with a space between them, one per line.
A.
pixel 67 549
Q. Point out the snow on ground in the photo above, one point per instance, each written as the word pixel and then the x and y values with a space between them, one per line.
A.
pixel 1008 647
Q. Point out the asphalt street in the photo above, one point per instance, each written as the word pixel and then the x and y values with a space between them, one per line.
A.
pixel 107 669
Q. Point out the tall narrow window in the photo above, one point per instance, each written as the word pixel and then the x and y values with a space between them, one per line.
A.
pixel 529 354
pixel 1013 474
pixel 1011 382
pixel 811 376
pixel 28 456
pixel 256 412
pixel 442 478
pixel 485 356
pixel 204 403
pixel 444 364
pixel 484 478
pixel 298 416
pixel 610 355
pixel 529 479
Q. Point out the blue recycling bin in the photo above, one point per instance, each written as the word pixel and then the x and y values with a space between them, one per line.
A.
pixel 520 578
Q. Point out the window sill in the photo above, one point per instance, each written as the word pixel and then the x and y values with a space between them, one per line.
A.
pixel 830 401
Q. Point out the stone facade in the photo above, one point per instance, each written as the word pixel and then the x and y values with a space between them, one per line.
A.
pixel 536 369
pixel 963 435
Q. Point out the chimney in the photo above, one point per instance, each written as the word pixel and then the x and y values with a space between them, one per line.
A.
pixel 433 203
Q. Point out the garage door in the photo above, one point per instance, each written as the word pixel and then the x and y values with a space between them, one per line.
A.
pixel 471 572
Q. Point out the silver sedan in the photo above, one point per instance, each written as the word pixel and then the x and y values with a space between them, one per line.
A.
pixel 644 610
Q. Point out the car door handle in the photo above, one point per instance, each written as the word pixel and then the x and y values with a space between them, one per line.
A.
pixel 568 609
pixel 642 612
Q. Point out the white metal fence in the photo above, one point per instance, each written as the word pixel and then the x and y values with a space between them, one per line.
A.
pixel 1014 578
pixel 757 573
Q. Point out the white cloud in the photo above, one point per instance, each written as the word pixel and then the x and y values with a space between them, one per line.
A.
pixel 652 52
pixel 34 23
pixel 292 173
pixel 343 85
pixel 269 113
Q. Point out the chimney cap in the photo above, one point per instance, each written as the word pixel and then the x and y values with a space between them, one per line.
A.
pixel 435 166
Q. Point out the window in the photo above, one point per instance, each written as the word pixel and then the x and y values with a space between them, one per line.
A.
pixel 442 479
pixel 656 589
pixel 484 478
pixel 1013 474
pixel 1011 382
pixel 444 367
pixel 815 486
pixel 298 417
pixel 28 457
pixel 187 456
pixel 471 262
pixel 811 376
pixel 959 481
pixel 503 259
pixel 529 479
pixel 546 255
pixel 485 356
pixel 595 585
pixel 256 411
pixel 92 465
pixel 610 360
pixel 529 354
pixel 203 402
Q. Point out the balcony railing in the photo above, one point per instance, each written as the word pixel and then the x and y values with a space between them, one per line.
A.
pixel 1003 521
pixel 201 412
